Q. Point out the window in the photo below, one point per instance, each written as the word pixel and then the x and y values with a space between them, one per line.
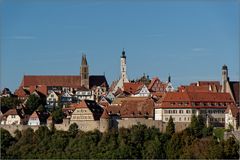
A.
pixel 166 119
pixel 179 118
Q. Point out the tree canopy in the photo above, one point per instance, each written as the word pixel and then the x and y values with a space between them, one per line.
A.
pixel 138 142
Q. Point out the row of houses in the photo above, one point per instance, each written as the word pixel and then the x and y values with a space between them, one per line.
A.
pixel 89 102
pixel 218 109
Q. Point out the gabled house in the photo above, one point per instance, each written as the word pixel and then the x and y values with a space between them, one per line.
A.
pixel 12 117
pixel 87 110
pixel 157 86
pixel 34 119
pixel 66 98
pixel 142 92
pixel 232 115
pixel 83 93
pixel 53 99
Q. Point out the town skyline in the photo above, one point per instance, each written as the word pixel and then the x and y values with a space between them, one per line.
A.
pixel 160 38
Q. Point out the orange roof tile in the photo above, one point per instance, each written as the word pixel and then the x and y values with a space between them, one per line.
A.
pixel 105 114
pixel 137 109
pixel 193 88
pixel 132 87
pixel 73 81
pixel 197 97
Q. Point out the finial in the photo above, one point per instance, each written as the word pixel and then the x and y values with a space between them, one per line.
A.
pixel 123 54
pixel 169 78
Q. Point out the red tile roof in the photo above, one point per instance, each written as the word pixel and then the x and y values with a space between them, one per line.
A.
pixel 137 109
pixel 66 81
pixel 113 109
pixel 200 83
pixel 105 114
pixel 156 85
pixel 196 97
pixel 193 88
pixel 132 87
pixel 153 81
pixel 20 92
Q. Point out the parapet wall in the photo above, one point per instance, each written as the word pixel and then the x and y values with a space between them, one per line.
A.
pixel 128 123
pixel 102 125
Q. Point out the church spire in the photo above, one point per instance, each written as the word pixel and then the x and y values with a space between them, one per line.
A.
pixel 84 59
pixel 84 72
pixel 169 78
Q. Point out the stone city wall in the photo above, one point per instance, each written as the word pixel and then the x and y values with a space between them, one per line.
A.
pixel 102 125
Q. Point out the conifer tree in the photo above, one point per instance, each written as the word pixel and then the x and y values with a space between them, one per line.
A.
pixel 170 129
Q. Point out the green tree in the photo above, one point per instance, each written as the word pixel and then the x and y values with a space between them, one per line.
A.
pixel 231 149
pixel 57 115
pixel 9 103
pixel 196 126
pixel 18 134
pixel 170 129
pixel 73 129
pixel 173 148
pixel 32 103
pixel 6 141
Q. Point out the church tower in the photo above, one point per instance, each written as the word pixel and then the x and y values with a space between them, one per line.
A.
pixel 123 68
pixel 84 72
pixel 225 78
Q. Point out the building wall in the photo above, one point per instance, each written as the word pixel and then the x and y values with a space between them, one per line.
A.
pixel 12 128
pixel 33 122
pixel 215 117
pixel 87 125
pixel 13 119
pixel 81 114
pixel 128 123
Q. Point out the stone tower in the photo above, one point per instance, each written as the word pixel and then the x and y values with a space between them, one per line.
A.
pixel 123 68
pixel 84 72
pixel 225 78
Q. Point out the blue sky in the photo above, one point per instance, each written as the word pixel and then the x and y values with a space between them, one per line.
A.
pixel 189 40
